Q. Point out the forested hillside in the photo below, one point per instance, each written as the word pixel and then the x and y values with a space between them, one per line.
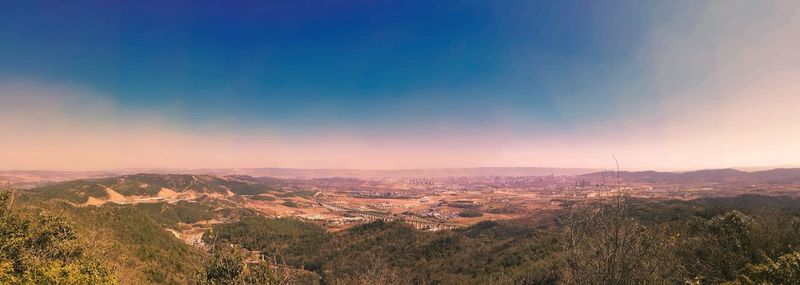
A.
pixel 147 185
pixel 46 249
pixel 747 239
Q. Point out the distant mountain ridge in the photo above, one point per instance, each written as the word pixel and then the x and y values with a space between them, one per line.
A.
pixel 779 175
pixel 396 173
pixel 726 175
pixel 35 178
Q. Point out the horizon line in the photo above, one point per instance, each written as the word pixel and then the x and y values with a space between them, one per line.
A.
pixel 597 169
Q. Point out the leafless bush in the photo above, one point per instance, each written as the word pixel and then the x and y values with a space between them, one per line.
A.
pixel 605 245
pixel 375 271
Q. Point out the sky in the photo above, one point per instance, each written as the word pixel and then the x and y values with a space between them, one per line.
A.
pixel 664 85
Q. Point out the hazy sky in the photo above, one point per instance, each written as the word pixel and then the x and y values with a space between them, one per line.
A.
pixel 385 84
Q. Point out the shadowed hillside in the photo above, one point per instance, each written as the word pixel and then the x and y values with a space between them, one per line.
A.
pixel 781 175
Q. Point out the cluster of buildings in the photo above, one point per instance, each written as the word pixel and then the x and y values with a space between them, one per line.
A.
pixel 438 214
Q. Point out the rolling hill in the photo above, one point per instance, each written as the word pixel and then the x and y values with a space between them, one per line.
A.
pixel 143 186
pixel 728 175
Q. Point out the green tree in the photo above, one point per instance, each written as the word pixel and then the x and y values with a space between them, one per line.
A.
pixel 784 270
pixel 726 247
pixel 44 249
pixel 733 229
pixel 228 266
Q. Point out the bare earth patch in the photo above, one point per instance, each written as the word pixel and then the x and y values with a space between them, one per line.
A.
pixel 114 196
pixel 167 193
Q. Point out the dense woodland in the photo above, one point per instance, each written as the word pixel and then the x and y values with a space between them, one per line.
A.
pixel 745 240
pixel 741 240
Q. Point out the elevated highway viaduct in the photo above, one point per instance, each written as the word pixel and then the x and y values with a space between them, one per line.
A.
pixel 372 216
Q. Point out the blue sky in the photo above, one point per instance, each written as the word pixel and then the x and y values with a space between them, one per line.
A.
pixel 414 72
pixel 303 63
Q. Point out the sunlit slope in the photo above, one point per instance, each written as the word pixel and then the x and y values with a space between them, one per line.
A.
pixel 134 188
